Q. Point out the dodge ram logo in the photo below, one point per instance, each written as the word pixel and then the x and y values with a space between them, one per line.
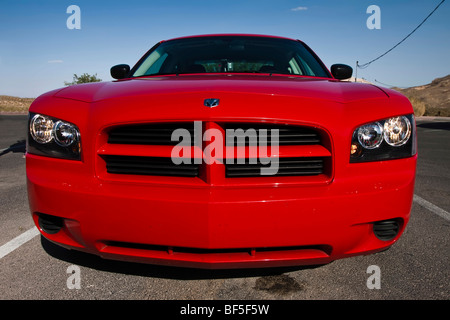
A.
pixel 211 103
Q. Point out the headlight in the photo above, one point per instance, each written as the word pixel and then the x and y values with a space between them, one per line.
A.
pixel 65 133
pixel 41 129
pixel 52 137
pixel 397 131
pixel 370 136
pixel 391 138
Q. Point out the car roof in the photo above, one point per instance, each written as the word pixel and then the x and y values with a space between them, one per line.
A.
pixel 230 35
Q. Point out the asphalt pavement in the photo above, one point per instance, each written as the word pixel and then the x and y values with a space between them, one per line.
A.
pixel 415 268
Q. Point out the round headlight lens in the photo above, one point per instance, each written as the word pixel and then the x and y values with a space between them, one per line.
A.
pixel 41 129
pixel 370 136
pixel 397 131
pixel 65 133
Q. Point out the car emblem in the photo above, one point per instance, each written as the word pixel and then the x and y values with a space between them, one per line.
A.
pixel 211 103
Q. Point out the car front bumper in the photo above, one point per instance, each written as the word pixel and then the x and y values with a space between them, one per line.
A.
pixel 222 226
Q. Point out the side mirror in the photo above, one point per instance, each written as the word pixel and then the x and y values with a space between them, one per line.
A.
pixel 120 71
pixel 341 71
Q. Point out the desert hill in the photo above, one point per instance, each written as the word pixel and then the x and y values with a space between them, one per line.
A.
pixel 12 105
pixel 432 99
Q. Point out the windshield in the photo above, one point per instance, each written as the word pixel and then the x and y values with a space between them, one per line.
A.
pixel 230 54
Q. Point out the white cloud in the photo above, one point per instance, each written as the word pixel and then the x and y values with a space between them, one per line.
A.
pixel 55 61
pixel 299 9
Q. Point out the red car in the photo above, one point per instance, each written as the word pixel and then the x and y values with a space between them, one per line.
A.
pixel 223 151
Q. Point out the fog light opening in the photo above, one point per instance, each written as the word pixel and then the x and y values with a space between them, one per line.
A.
pixel 50 224
pixel 386 230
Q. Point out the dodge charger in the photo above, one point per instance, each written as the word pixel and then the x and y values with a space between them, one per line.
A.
pixel 223 151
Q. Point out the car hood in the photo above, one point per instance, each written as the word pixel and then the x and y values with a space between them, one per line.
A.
pixel 316 88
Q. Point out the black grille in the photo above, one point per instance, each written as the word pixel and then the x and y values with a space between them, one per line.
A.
pixel 288 134
pixel 155 166
pixel 326 249
pixel 286 167
pixel 149 134
pixel 50 224
pixel 238 134
pixel 386 230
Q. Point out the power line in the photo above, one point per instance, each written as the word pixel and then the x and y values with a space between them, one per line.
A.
pixel 365 65
pixel 388 85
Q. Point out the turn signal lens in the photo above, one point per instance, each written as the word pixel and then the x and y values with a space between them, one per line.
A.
pixel 355 150
pixel 397 131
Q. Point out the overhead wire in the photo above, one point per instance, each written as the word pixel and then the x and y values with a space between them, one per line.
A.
pixel 365 65
pixel 389 85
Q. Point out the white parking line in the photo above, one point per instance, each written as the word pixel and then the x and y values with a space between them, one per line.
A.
pixel 433 208
pixel 18 241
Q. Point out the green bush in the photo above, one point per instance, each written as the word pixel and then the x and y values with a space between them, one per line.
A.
pixel 84 78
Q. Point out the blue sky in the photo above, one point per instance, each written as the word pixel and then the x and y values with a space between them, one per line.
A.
pixel 38 52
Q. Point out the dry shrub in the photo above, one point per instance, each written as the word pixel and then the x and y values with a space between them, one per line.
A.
pixel 418 106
